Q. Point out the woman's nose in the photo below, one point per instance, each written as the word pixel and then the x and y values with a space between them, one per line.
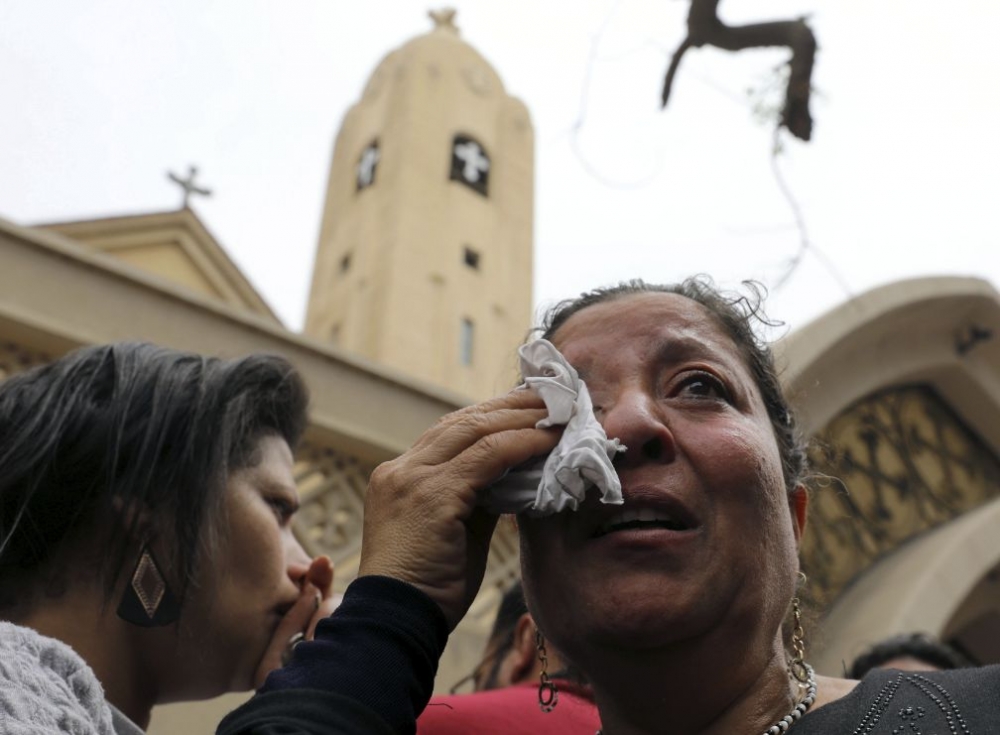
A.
pixel 640 423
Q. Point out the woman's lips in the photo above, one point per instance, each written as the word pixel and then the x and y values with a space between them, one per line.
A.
pixel 643 518
pixel 644 509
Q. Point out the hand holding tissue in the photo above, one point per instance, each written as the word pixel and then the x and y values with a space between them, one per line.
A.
pixel 581 460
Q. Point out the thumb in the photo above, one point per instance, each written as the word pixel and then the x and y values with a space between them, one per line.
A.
pixel 296 620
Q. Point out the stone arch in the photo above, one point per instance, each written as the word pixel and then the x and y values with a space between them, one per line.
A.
pixel 930 346
pixel 920 587
pixel 905 332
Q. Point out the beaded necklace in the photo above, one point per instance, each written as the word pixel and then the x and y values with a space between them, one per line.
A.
pixel 800 709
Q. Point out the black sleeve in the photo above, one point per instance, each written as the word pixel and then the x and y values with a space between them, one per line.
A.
pixel 300 711
pixel 370 669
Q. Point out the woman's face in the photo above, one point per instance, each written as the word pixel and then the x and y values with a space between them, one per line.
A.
pixel 706 536
pixel 245 588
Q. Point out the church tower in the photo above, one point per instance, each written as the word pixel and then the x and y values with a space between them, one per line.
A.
pixel 424 261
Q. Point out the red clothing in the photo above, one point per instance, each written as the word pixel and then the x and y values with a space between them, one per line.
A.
pixel 510 711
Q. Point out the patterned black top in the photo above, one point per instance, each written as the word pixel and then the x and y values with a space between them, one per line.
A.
pixel 960 702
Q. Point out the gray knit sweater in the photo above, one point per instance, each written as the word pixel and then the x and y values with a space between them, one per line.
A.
pixel 45 688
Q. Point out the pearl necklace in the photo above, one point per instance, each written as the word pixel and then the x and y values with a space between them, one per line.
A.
pixel 800 709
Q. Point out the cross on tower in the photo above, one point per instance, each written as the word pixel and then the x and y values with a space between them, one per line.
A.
pixel 188 185
pixel 476 162
pixel 366 166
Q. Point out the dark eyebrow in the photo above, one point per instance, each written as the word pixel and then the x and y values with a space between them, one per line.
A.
pixel 288 493
pixel 674 349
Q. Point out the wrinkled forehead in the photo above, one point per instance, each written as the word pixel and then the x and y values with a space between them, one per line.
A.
pixel 642 319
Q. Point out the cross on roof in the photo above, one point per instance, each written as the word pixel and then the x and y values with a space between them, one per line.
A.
pixel 188 185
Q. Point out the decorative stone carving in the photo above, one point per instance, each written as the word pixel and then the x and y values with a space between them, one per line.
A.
pixel 893 465
pixel 331 490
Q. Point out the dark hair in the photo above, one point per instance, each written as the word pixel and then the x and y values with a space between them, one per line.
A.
pixel 111 435
pixel 736 314
pixel 920 646
pixel 512 607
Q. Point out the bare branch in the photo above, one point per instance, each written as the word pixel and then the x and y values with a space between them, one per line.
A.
pixel 705 29
pixel 805 244
pixel 675 61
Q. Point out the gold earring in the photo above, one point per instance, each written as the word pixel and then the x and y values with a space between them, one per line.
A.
pixel 797 666
pixel 548 694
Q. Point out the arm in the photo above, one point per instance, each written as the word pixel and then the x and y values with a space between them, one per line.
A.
pixel 371 666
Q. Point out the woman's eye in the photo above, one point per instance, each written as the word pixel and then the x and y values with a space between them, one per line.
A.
pixel 702 385
pixel 283 509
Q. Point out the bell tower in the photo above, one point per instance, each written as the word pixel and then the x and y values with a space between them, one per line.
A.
pixel 424 260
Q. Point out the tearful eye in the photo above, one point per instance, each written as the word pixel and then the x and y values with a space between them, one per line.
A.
pixel 702 386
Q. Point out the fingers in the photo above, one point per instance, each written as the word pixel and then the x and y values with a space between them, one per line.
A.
pixel 488 437
pixel 296 620
pixel 464 431
pixel 490 456
pixel 421 523
pixel 470 448
pixel 320 575
pixel 457 430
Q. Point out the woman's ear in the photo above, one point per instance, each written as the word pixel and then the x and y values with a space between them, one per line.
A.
pixel 134 519
pixel 798 504
pixel 522 655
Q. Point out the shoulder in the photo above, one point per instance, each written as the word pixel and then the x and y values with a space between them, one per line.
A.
pixel 887 700
pixel 970 685
pixel 44 683
pixel 509 710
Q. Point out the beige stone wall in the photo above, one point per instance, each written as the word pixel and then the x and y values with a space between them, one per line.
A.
pixel 402 298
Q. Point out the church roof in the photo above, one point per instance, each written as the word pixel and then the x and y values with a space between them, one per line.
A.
pixel 175 246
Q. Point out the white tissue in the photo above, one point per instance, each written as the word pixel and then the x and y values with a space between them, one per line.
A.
pixel 581 460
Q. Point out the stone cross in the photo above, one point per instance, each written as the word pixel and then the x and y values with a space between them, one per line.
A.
pixel 474 159
pixel 188 185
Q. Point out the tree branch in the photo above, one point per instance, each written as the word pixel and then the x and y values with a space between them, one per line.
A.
pixel 705 29
pixel 674 63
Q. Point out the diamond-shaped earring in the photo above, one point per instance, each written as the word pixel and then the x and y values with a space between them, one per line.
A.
pixel 148 583
pixel 148 601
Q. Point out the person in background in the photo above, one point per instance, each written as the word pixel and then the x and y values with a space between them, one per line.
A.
pixel 146 548
pixel 507 685
pixel 908 652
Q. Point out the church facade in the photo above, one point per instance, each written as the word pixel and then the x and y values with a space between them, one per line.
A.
pixel 421 293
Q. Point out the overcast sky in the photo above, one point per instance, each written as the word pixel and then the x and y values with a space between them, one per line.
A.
pixel 99 98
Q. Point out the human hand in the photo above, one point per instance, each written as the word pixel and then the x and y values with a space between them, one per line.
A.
pixel 422 525
pixel 316 601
